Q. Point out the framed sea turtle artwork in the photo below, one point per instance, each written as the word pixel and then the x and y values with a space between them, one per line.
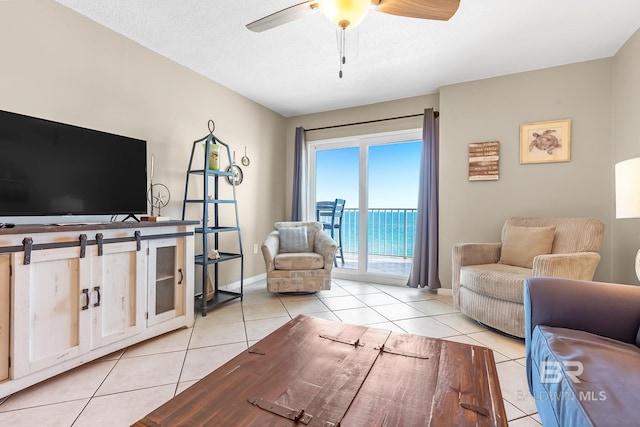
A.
pixel 545 142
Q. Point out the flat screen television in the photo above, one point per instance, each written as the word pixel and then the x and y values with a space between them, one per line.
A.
pixel 49 168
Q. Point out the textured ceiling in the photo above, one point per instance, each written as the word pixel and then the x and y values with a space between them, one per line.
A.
pixel 293 69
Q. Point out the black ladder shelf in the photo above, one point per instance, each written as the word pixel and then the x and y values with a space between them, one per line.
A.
pixel 219 296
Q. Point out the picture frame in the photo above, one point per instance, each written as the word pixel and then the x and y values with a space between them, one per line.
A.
pixel 545 142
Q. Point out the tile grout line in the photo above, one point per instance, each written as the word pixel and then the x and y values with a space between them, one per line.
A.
pixel 84 408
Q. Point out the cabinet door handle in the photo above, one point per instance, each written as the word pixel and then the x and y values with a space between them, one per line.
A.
pixel 181 276
pixel 97 290
pixel 85 294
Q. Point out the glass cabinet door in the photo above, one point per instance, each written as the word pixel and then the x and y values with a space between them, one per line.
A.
pixel 166 280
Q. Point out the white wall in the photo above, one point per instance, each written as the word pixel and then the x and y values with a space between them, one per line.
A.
pixel 59 65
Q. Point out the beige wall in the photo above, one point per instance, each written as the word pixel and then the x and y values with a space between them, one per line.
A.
pixel 398 108
pixel 626 145
pixel 59 65
pixel 492 110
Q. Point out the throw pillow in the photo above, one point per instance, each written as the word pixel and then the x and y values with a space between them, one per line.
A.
pixel 522 244
pixel 293 239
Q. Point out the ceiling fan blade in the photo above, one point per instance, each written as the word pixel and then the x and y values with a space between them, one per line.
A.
pixel 283 16
pixel 441 10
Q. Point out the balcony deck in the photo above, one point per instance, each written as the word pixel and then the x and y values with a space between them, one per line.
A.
pixel 390 234
pixel 379 264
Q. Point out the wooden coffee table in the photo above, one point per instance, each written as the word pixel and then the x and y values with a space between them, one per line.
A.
pixel 323 373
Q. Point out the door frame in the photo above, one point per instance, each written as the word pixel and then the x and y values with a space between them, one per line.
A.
pixel 363 142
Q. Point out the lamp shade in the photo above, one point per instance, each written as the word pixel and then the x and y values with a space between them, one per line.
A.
pixel 628 188
pixel 345 13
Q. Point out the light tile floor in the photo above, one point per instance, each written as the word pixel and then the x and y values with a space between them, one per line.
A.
pixel 121 388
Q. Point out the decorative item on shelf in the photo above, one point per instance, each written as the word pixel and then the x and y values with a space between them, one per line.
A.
pixel 238 176
pixel 213 254
pixel 214 149
pixel 484 161
pixel 214 156
pixel 210 292
pixel 245 160
pixel 628 194
pixel 158 196
pixel 545 142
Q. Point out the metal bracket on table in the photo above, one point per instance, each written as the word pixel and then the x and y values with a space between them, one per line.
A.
pixel 27 243
pixel 283 411
pixel 384 349
pixel 355 343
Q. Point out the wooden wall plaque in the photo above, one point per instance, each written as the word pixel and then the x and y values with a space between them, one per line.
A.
pixel 484 161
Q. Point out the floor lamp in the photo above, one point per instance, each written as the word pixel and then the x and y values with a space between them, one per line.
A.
pixel 628 194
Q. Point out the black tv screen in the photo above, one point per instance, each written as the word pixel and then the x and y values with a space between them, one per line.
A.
pixel 50 168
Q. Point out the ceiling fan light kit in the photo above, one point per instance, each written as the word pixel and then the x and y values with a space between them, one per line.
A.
pixel 349 13
pixel 345 13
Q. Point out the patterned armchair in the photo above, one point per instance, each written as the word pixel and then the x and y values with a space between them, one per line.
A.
pixel 298 257
pixel 488 278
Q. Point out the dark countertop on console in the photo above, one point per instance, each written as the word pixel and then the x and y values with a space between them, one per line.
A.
pixel 54 228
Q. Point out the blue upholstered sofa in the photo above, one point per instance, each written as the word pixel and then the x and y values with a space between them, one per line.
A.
pixel 583 351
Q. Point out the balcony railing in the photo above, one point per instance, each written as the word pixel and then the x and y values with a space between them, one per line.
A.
pixel 390 232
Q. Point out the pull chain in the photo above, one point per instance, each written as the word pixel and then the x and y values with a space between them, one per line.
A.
pixel 343 58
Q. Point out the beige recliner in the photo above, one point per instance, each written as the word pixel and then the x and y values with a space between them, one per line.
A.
pixel 298 261
pixel 488 278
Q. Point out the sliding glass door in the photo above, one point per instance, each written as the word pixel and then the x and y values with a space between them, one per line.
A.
pixel 336 176
pixel 377 176
pixel 392 188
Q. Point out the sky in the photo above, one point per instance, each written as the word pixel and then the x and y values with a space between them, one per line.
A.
pixel 393 175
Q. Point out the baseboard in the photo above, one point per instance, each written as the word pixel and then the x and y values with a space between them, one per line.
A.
pixel 247 281
pixel 445 291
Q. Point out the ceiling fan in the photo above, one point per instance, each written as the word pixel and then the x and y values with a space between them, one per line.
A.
pixel 347 14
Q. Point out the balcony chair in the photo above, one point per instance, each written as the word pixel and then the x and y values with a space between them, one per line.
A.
pixel 298 257
pixel 488 278
pixel 330 214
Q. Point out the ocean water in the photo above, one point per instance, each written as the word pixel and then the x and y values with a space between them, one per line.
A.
pixel 390 232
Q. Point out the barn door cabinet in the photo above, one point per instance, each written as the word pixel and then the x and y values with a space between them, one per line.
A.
pixel 77 295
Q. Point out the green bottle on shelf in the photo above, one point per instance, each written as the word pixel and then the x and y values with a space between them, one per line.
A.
pixel 214 156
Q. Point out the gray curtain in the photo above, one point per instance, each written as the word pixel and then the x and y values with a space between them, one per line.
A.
pixel 298 198
pixel 424 271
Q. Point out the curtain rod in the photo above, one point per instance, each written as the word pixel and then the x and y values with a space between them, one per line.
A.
pixel 436 113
